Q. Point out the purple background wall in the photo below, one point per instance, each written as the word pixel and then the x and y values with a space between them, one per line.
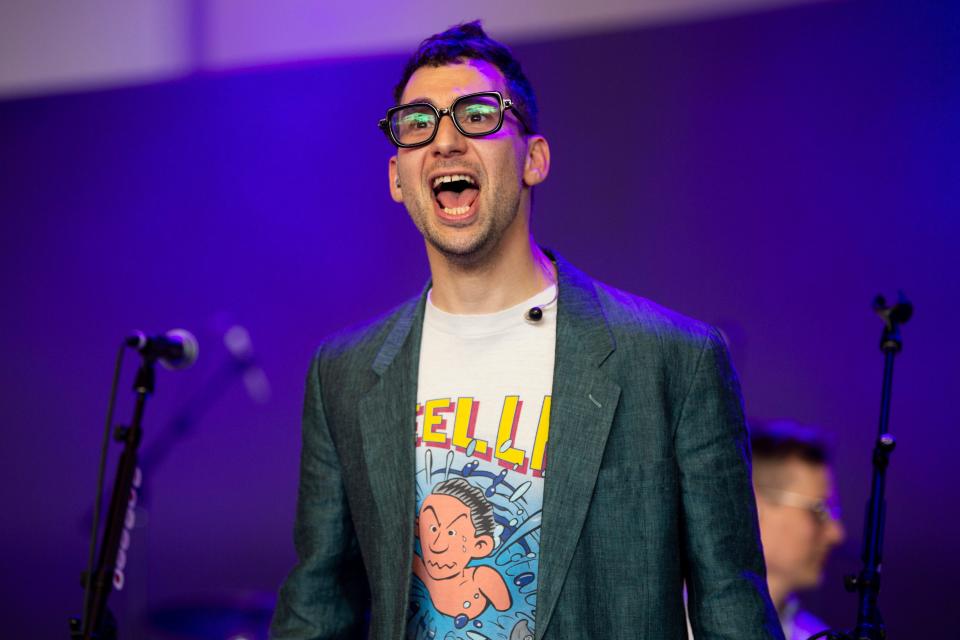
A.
pixel 768 173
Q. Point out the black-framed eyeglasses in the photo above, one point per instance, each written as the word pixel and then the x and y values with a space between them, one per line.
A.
pixel 474 115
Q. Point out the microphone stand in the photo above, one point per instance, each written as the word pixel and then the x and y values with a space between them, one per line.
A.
pixel 97 622
pixel 867 583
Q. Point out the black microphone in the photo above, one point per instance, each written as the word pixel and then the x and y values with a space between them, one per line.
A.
pixel 534 314
pixel 176 349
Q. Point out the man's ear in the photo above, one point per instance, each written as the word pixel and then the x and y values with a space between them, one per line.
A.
pixel 536 165
pixel 396 191
pixel 763 509
pixel 482 546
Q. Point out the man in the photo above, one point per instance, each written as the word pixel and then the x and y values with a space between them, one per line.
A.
pixel 799 521
pixel 510 347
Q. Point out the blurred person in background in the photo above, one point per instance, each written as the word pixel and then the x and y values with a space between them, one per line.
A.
pixel 799 518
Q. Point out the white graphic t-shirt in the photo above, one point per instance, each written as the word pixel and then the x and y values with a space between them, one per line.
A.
pixel 483 417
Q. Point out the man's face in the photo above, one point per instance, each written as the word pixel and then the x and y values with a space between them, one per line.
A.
pixel 795 542
pixel 467 226
pixel 448 540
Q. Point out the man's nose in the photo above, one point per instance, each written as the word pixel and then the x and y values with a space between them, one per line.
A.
pixel 449 140
pixel 836 532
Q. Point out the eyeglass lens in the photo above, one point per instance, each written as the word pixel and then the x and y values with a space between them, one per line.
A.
pixel 473 115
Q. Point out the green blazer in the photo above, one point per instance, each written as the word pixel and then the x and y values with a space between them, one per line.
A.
pixel 648 485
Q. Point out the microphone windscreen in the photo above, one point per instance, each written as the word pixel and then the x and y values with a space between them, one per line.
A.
pixel 191 350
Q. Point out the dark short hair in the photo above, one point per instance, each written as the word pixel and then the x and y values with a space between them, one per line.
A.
pixel 779 440
pixel 468 40
pixel 481 511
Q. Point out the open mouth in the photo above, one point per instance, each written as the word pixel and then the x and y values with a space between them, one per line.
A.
pixel 455 193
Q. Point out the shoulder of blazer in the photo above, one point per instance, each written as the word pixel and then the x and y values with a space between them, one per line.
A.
pixel 629 314
pixel 352 354
pixel 633 319
pixel 656 343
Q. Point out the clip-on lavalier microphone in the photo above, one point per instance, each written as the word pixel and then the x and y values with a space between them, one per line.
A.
pixel 535 314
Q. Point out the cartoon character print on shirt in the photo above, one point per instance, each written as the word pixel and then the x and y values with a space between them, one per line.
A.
pixel 455 525
pixel 477 532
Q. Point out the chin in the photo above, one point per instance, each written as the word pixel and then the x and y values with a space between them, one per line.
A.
pixel 811 581
pixel 469 251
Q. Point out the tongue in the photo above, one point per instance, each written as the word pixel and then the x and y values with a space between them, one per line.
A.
pixel 453 200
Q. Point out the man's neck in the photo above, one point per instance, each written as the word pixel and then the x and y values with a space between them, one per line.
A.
pixel 507 279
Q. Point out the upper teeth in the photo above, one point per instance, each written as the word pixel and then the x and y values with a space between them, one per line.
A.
pixel 441 179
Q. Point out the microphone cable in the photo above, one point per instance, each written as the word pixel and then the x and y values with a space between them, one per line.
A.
pixel 95 527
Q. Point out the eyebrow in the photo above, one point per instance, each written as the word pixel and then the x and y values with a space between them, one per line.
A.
pixel 462 515
pixel 420 99
pixel 437 519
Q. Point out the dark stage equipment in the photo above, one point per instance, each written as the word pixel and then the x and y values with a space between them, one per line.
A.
pixel 175 349
pixel 867 583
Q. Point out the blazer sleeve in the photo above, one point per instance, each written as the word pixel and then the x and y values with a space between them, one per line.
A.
pixel 725 573
pixel 326 594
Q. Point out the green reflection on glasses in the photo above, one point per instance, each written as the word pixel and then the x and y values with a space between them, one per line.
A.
pixel 417 120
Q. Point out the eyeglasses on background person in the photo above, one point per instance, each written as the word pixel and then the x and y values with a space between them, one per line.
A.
pixel 822 510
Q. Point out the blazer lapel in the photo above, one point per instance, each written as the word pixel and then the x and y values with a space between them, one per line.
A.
pixel 583 405
pixel 387 429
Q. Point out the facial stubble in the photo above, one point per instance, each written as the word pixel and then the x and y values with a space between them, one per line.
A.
pixel 498 209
